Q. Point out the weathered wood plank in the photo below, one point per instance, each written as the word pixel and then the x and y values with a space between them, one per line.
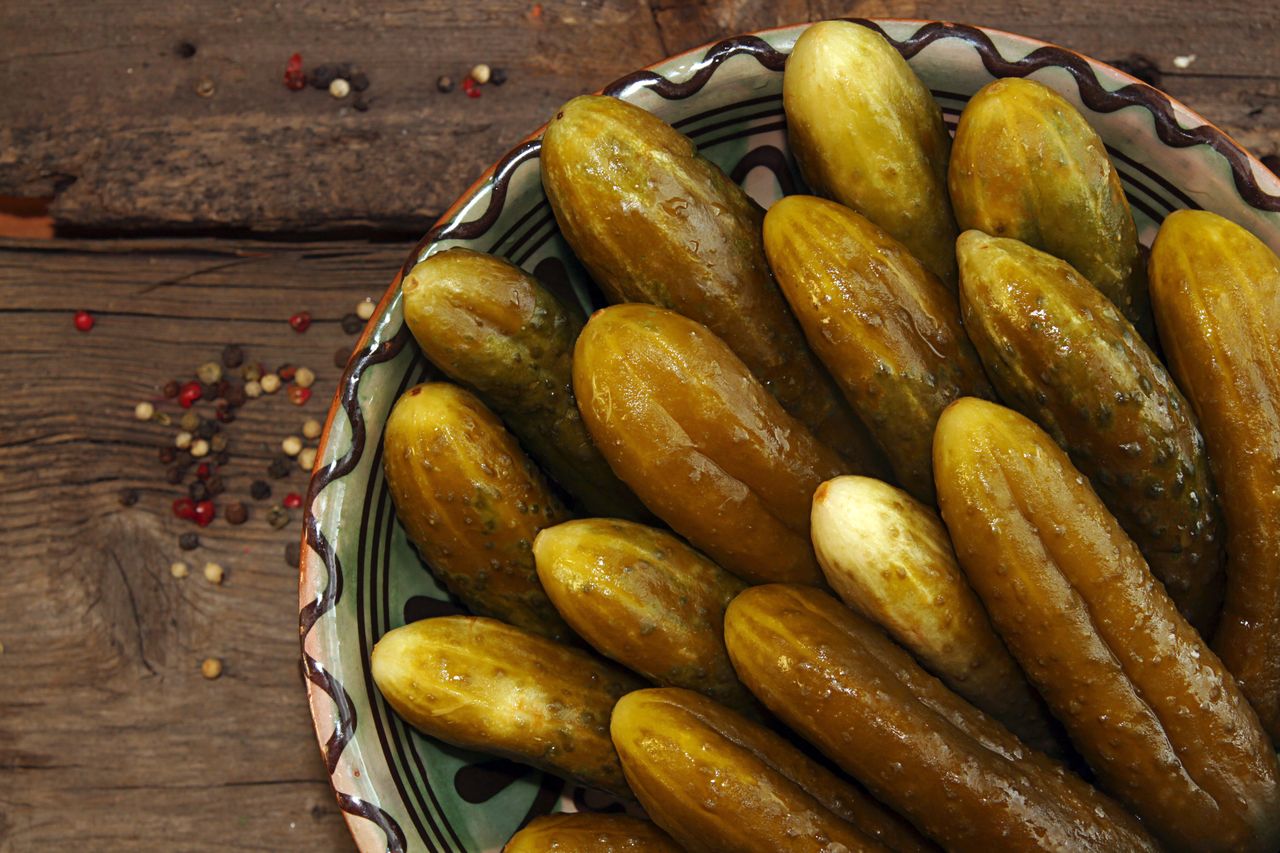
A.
pixel 104 114
pixel 110 739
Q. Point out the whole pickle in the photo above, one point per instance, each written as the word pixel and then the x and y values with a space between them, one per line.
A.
pixel 480 684
pixel 1216 290
pixel 720 783
pixel 957 774
pixel 645 599
pixel 1025 164
pixel 888 557
pixel 867 133
pixel 654 222
pixel 471 502
pixel 690 430
pixel 1059 352
pixel 585 832
pixel 887 329
pixel 1154 712
pixel 493 327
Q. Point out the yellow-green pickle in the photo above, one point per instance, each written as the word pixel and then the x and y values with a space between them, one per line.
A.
pixel 586 832
pixel 654 222
pixel 1216 290
pixel 958 775
pixel 867 133
pixel 481 684
pixel 645 599
pixel 887 328
pixel 719 783
pixel 493 327
pixel 695 435
pixel 471 501
pixel 1161 722
pixel 1025 164
pixel 1059 352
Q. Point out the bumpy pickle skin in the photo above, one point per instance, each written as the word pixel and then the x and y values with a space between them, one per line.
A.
pixel 691 431
pixel 887 328
pixel 654 222
pixel 587 832
pixel 472 502
pixel 867 133
pixel 645 599
pixel 1025 164
pixel 889 557
pixel 481 684
pixel 1060 353
pixel 494 328
pixel 1162 723
pixel 957 774
pixel 1216 291
pixel 719 783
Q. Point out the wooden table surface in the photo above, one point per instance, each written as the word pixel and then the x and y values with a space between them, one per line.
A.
pixel 188 222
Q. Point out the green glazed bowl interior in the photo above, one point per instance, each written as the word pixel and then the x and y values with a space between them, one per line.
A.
pixel 400 790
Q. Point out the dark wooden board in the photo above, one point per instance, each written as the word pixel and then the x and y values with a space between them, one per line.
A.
pixel 100 109
pixel 110 739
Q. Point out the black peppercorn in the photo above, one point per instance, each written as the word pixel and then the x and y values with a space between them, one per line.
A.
pixel 232 356
pixel 360 104
pixel 208 391
pixel 235 396
pixel 444 83
pixel 198 491
pixel 351 324
pixel 359 81
pixel 260 490
pixel 222 458
pixel 173 476
pixel 171 389
pixel 498 76
pixel 236 513
pixel 167 454
pixel 216 485
pixel 128 497
pixel 321 76
pixel 188 541
pixel 206 429
pixel 280 467
pixel 343 70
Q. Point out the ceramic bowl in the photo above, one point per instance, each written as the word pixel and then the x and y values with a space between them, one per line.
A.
pixel 360 578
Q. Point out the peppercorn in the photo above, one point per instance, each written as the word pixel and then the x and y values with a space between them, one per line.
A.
pixel 471 87
pixel 277 517
pixel 209 372
pixel 182 440
pixel 189 394
pixel 205 512
pixel 260 490
pixel 198 491
pixel 294 79
pixel 364 308
pixel 360 104
pixel 307 459
pixel 235 396
pixel 211 668
pixel 222 458
pixel 236 513
pixel 480 73
pixel 216 485
pixel 279 467
pixel 171 389
pixel 232 356
pixel 189 541
pixel 270 383
pixel 321 76
pixel 173 476
pixel 251 372
pixel 498 77
pixel 299 395
pixel 341 356
pixel 291 445
pixel 293 500
pixel 213 573
pixel 190 421
pixel 162 419
pixel 351 324
pixel 128 497
pixel 311 429
pixel 205 88
pixel 286 372
pixel 339 88
pixel 209 392
pixel 84 321
pixel 293 554
pixel 253 389
pixel 167 454
pixel 305 377
pixel 444 83
pixel 199 448
pixel 225 414
pixel 179 569
pixel 206 429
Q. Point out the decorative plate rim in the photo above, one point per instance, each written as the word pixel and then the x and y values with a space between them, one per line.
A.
pixel 1256 185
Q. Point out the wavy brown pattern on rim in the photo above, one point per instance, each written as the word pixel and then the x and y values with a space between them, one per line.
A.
pixel 1092 94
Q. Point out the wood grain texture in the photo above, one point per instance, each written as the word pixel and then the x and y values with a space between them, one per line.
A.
pixel 110 739
pixel 104 114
